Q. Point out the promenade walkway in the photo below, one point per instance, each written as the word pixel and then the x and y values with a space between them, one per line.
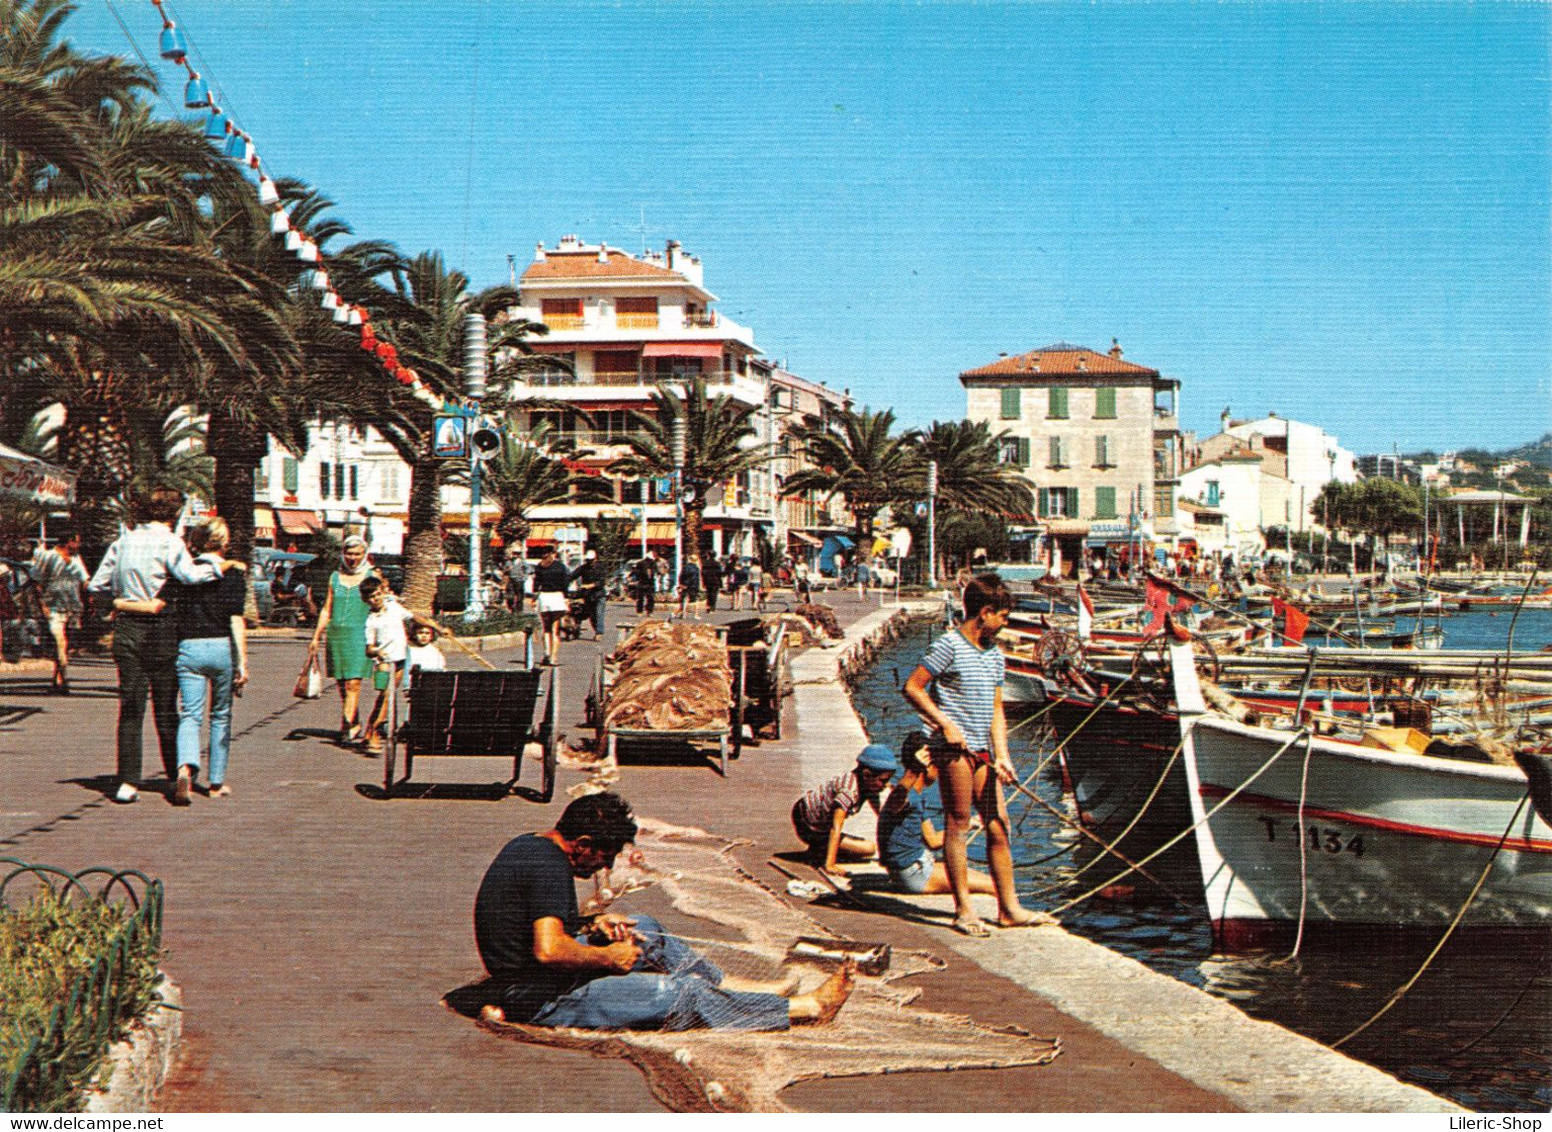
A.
pixel 313 928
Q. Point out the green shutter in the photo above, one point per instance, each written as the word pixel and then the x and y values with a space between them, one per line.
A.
pixel 1044 504
pixel 1073 510
pixel 1104 503
pixel 1012 409
pixel 1056 406
pixel 290 475
pixel 1102 451
pixel 1105 403
pixel 1023 451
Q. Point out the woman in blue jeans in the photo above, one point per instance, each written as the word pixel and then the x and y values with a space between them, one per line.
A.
pixel 212 657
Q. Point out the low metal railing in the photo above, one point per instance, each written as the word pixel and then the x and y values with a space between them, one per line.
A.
pixel 60 1056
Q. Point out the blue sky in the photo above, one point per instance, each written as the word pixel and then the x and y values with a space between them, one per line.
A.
pixel 1337 212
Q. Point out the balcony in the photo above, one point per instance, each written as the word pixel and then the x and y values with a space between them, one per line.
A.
pixel 1164 419
pixel 565 321
pixel 626 321
pixel 701 320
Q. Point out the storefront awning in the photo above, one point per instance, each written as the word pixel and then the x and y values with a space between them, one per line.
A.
pixel 682 350
pixel 263 522
pixel 298 522
pixel 804 536
pixel 658 534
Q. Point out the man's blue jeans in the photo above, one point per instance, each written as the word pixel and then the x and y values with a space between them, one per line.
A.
pixel 202 660
pixel 671 988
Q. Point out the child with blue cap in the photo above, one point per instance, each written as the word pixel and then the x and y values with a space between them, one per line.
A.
pixel 819 814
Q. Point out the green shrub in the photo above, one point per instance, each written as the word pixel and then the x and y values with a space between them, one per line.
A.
pixel 74 972
pixel 493 622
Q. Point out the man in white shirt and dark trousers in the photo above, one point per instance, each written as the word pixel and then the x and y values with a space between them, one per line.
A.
pixel 145 645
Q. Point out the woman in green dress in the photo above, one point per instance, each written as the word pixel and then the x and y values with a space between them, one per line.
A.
pixel 343 619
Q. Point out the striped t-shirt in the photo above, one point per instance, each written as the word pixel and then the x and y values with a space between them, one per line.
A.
pixel 964 686
pixel 816 809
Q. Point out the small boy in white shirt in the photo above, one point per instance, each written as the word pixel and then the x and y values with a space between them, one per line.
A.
pixel 387 644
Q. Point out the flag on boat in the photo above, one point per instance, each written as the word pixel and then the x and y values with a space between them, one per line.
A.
pixel 1085 614
pixel 1161 598
pixel 1295 620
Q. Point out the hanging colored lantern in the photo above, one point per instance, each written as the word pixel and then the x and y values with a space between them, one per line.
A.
pixel 411 377
pixel 249 154
pixel 268 194
pixel 309 251
pixel 174 46
pixel 196 94
pixel 387 352
pixel 293 240
pixel 318 280
pixel 330 301
pixel 368 339
pixel 235 146
pixel 405 376
pixel 354 316
pixel 217 125
pixel 279 222
pixel 341 315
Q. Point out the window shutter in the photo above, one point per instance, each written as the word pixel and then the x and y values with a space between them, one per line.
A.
pixel 323 480
pixel 354 483
pixel 1056 407
pixel 1012 408
pixel 1102 451
pixel 1054 453
pixel 290 475
pixel 1105 403
pixel 1072 503
pixel 1023 451
pixel 1044 504
pixel 1104 503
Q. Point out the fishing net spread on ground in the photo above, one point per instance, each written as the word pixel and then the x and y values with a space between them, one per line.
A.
pixel 748 931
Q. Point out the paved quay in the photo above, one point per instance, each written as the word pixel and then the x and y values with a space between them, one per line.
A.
pixel 313 928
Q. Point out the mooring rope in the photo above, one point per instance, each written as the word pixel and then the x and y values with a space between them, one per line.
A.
pixel 1449 931
pixel 1157 786
pixel 1298 936
pixel 1173 841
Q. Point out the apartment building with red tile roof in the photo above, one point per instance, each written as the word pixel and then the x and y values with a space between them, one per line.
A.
pixel 1098 437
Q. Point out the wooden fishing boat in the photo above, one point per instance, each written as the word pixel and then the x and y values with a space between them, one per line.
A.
pixel 1292 829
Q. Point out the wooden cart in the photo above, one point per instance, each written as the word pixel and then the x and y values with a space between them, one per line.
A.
pixel 476 715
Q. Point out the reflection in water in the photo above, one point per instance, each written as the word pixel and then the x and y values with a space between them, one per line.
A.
pixel 1476 1028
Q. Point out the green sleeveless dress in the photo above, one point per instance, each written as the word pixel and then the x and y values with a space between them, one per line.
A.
pixel 347 632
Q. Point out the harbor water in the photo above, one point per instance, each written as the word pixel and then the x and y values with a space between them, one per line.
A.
pixel 1476 1027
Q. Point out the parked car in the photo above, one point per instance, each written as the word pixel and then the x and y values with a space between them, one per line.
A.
pixel 284 608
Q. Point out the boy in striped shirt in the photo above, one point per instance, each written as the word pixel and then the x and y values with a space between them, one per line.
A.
pixel 957 689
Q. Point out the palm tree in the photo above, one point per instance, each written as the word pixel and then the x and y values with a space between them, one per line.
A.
pixel 424 317
pixel 856 456
pixel 529 473
pixel 719 444
pixel 974 481
pixel 972 475
pixel 111 293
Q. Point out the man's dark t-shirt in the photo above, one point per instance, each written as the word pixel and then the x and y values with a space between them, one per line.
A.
pixel 529 880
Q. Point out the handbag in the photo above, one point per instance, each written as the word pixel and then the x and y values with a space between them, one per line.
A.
pixel 309 682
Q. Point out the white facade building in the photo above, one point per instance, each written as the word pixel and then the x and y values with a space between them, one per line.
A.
pixel 1249 497
pixel 1313 456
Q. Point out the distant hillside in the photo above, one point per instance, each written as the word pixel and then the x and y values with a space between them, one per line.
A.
pixel 1535 452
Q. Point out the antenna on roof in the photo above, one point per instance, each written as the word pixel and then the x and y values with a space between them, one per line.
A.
pixel 641 228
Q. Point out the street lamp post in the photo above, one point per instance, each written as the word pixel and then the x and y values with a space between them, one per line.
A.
pixel 676 453
pixel 932 524
pixel 474 390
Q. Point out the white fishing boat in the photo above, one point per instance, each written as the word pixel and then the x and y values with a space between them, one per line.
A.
pixel 1295 829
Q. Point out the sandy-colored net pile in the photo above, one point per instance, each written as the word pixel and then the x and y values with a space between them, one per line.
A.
pixel 746 930
pixel 671 677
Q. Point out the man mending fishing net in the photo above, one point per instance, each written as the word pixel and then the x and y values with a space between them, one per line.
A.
pixel 552 967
